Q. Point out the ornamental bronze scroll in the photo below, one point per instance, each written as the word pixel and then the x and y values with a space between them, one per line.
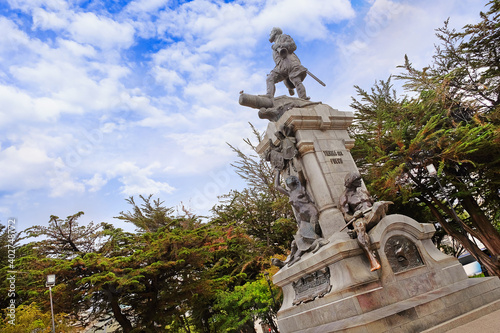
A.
pixel 402 254
pixel 310 286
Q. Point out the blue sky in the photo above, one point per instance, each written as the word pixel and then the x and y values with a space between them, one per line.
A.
pixel 102 100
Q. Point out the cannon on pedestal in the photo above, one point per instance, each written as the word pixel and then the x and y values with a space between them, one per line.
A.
pixel 256 101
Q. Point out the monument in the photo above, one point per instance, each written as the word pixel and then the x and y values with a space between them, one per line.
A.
pixel 352 268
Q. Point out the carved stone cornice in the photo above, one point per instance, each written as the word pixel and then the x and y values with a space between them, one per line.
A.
pixel 320 116
pixel 305 148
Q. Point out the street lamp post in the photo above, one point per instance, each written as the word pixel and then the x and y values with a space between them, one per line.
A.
pixel 51 281
pixel 433 173
pixel 266 274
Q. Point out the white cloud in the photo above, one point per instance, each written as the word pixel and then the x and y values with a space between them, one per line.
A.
pixel 11 35
pixel 138 180
pixel 184 59
pixel 217 27
pixel 23 168
pixel 63 184
pixel 157 118
pixel 382 12
pixel 305 19
pixel 17 105
pixel 28 5
pixel 145 6
pixel 47 77
pixel 72 50
pixel 96 182
pixel 13 104
pixel 200 152
pixel 49 20
pixel 207 94
pixel 381 37
pixel 101 31
pixel 169 78
pixel 16 46
pixel 71 85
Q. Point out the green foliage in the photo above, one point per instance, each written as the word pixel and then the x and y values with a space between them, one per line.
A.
pixel 178 274
pixel 260 210
pixel 266 219
pixel 65 238
pixel 30 318
pixel 452 123
pixel 240 308
pixel 478 276
pixel 167 274
pixel 149 216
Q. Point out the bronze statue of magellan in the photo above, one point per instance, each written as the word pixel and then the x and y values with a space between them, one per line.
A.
pixel 288 67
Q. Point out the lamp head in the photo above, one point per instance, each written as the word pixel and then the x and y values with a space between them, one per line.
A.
pixel 51 280
pixel 432 170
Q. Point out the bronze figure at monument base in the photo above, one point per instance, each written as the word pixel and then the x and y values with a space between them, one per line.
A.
pixel 309 236
pixel 362 212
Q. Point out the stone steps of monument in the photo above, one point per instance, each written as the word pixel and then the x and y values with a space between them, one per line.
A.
pixel 485 319
pixel 454 304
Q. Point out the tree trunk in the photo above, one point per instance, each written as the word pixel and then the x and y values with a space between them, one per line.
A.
pixel 492 266
pixel 273 325
pixel 482 228
pixel 488 234
pixel 119 316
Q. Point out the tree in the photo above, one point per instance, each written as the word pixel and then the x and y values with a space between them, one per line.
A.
pixel 394 148
pixel 171 272
pixel 65 238
pixel 453 123
pixel 240 308
pixel 31 319
pixel 150 216
pixel 262 211
pixel 265 215
pixel 164 275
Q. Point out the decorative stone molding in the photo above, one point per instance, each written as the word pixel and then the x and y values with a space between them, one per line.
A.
pixel 305 148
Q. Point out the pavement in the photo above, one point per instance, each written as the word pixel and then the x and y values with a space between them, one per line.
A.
pixel 485 319
pixel 489 323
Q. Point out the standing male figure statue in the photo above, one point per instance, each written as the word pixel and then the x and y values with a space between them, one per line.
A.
pixel 288 67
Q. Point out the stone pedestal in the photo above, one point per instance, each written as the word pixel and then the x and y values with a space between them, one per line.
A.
pixel 417 288
pixel 323 144
pixel 333 290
